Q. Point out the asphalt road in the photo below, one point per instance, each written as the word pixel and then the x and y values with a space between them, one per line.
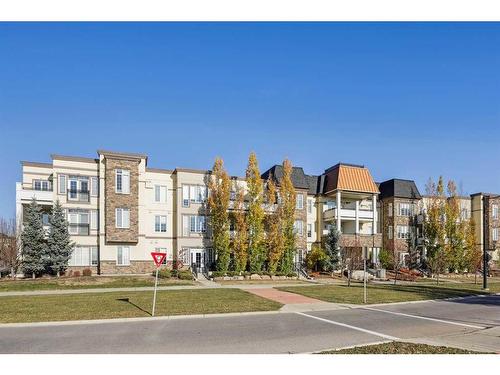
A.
pixel 472 323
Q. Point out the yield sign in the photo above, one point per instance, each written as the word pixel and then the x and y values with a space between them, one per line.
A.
pixel 158 258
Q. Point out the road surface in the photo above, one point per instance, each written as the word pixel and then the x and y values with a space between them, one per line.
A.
pixel 472 323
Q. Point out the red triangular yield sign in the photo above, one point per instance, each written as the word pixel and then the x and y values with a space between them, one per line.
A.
pixel 158 258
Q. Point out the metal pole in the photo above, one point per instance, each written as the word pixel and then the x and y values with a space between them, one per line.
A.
pixel 364 280
pixel 485 252
pixel 154 297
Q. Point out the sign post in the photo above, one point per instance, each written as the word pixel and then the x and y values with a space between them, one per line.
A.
pixel 365 255
pixel 158 258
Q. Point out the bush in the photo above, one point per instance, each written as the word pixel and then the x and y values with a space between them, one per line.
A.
pixel 87 272
pixel 386 259
pixel 163 273
pixel 316 259
pixel 218 274
pixel 76 274
pixel 185 275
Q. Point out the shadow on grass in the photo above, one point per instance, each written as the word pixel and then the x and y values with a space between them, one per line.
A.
pixel 133 304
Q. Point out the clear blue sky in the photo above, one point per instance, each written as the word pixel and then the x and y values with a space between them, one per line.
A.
pixel 407 100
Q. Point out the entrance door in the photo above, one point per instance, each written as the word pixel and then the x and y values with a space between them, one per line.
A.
pixel 198 259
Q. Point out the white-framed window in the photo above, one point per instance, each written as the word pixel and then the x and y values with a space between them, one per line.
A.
pixel 309 206
pixel 94 219
pixel 78 188
pixel 94 186
pixel 309 230
pixel 494 236
pixel 160 223
pixel 298 226
pixel 403 231
pixel 389 209
pixel 43 185
pixel 160 194
pixel 193 194
pixel 83 256
pixel 170 255
pixel 122 181
pixel 122 216
pixel 299 202
pixel 123 256
pixel 45 218
pixel 193 224
pixel 405 209
pixel 494 211
pixel 78 221
pixel 389 232
pixel 62 183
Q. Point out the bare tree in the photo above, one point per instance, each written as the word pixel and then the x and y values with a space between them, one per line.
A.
pixel 10 245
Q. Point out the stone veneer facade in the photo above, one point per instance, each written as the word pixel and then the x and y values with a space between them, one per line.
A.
pixel 117 200
pixel 301 214
pixel 489 221
pixel 395 244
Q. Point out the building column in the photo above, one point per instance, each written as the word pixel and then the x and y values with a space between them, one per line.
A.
pixel 339 226
pixel 356 222
pixel 374 211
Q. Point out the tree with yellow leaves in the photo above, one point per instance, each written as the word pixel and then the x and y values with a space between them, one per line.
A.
pixel 240 242
pixel 287 194
pixel 275 243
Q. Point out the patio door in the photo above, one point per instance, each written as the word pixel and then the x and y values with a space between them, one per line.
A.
pixel 198 259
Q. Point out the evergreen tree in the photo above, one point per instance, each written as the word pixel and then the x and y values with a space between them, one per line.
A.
pixel 218 204
pixel 332 245
pixel 255 219
pixel 34 246
pixel 59 243
pixel 287 194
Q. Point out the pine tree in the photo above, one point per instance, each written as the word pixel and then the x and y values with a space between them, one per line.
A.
pixel 256 245
pixel 287 194
pixel 332 245
pixel 274 239
pixel 240 243
pixel 59 243
pixel 34 246
pixel 218 204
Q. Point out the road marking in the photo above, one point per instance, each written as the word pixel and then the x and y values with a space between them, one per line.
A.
pixel 351 327
pixel 424 318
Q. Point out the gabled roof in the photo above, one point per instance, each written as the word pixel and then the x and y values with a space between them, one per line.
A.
pixel 399 188
pixel 299 179
pixel 349 177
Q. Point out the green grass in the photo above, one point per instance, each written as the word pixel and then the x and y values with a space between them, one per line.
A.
pixel 115 305
pixel 86 283
pixel 377 293
pixel 400 348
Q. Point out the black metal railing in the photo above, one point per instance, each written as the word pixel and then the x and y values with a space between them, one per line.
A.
pixel 79 229
pixel 194 270
pixel 78 195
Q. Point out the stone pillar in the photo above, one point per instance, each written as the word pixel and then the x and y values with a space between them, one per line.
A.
pixel 374 211
pixel 339 226
pixel 356 222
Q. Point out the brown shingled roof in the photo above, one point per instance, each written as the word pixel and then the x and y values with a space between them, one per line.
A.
pixel 350 178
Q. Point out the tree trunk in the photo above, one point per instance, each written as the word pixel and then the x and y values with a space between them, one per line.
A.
pixel 475 278
pixel 437 279
pixel 12 273
pixel 33 276
pixel 395 276
pixel 58 273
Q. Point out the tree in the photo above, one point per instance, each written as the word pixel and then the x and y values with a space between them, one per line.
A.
pixel 275 243
pixel 10 242
pixel 287 194
pixel 240 242
pixel 317 259
pixel 34 246
pixel 454 228
pixel 332 244
pixel 473 255
pixel 352 259
pixel 386 258
pixel 255 219
pixel 58 243
pixel 219 186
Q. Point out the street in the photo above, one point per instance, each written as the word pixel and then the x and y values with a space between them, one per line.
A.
pixel 471 323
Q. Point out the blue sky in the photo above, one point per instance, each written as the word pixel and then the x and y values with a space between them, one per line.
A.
pixel 408 100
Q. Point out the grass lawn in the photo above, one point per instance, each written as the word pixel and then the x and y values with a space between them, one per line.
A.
pixel 260 282
pixel 115 305
pixel 86 282
pixel 378 293
pixel 400 348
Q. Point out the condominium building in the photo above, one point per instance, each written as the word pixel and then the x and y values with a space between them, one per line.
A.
pixel 120 210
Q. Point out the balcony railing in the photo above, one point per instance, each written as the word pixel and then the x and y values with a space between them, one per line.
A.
pixel 79 229
pixel 348 214
pixel 79 195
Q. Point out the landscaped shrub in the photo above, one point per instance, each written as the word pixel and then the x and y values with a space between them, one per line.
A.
pixel 163 273
pixel 386 258
pixel 87 272
pixel 218 274
pixel 185 275
pixel 76 274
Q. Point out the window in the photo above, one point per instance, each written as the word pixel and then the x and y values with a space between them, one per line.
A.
pixel 495 234
pixel 62 184
pixel 42 185
pixel 83 256
pixel 405 209
pixel 298 227
pixel 45 219
pixel 160 223
pixel 299 204
pixel 78 188
pixel 122 181
pixel 123 256
pixel 94 186
pixel 122 218
pixel 309 206
pixel 494 211
pixel 93 220
pixel 403 231
pixel 160 194
pixel 193 224
pixel 389 209
pixel 309 230
pixel 78 222
pixel 389 232
pixel 193 194
pixel 169 256
pixel 232 195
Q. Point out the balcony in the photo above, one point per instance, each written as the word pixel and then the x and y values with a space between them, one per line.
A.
pixel 78 196
pixel 346 213
pixel 79 229
pixel 41 196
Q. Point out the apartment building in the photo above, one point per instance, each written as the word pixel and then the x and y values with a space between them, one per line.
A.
pixel 485 210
